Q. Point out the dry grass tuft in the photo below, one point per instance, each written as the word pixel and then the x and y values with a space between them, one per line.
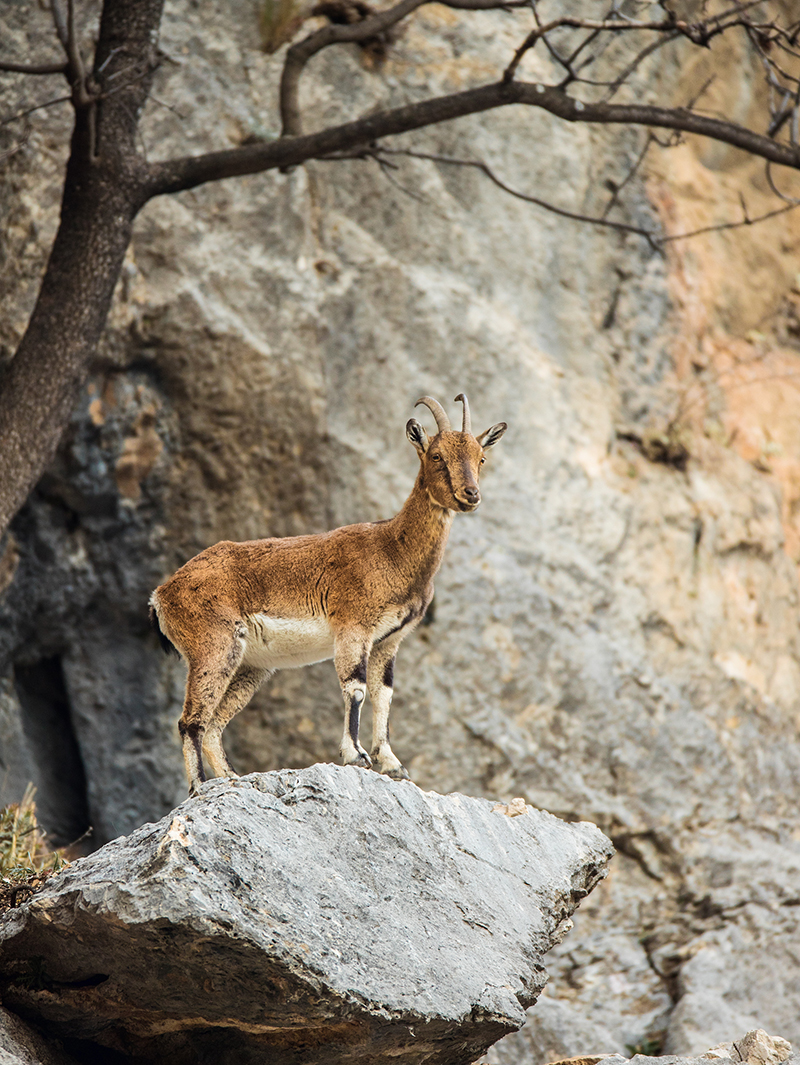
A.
pixel 26 861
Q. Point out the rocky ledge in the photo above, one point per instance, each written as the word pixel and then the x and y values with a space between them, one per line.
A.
pixel 755 1047
pixel 320 915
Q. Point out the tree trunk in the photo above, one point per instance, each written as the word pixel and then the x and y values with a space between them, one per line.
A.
pixel 102 193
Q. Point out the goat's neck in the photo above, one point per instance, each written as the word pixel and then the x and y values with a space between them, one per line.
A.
pixel 420 532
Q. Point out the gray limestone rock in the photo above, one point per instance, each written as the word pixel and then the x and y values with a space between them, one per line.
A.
pixel 755 1047
pixel 322 915
pixel 21 1045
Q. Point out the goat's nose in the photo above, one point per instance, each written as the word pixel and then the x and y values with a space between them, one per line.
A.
pixel 472 494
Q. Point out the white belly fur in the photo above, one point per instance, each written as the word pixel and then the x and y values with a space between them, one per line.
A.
pixel 284 643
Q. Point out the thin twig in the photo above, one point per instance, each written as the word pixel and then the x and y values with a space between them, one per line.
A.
pixel 112 53
pixel 13 151
pixel 77 70
pixel 37 107
pixel 376 152
pixel 168 107
pixel 613 199
pixel 26 68
pixel 542 30
pixel 691 104
pixel 746 221
pixel 386 170
pixel 67 99
pixel 631 68
pixel 478 164
pixel 698 32
pixel 554 54
pixel 786 199
pixel 60 22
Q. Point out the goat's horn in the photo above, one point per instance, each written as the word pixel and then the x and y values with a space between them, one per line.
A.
pixel 442 421
pixel 466 424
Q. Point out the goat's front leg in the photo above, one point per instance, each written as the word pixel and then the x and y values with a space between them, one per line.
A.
pixel 350 657
pixel 380 681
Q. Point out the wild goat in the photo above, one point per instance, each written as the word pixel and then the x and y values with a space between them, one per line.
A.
pixel 239 611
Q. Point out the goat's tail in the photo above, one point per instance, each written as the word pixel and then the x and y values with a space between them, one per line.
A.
pixel 167 646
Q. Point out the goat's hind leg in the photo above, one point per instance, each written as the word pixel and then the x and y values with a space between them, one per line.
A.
pixel 209 678
pixel 246 682
pixel 380 681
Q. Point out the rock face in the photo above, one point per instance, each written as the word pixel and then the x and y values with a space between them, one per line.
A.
pixel 753 1048
pixel 615 632
pixel 317 916
pixel 21 1045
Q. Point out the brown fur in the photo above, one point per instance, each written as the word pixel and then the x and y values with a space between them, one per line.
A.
pixel 367 584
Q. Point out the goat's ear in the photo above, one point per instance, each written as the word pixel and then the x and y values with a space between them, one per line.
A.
pixel 417 435
pixel 491 436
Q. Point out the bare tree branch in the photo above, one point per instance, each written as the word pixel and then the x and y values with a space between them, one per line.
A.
pixel 26 68
pixel 699 33
pixel 485 5
pixel 76 69
pixel 299 54
pixel 60 22
pixel 178 174
pixel 362 30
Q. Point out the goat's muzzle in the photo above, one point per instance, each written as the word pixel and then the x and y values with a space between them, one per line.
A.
pixel 469 497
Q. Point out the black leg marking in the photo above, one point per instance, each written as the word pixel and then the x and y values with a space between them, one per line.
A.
pixel 360 672
pixel 388 674
pixel 197 743
pixel 412 613
pixel 355 716
pixel 195 733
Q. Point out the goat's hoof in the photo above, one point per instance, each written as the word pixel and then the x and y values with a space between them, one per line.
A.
pixel 362 760
pixel 400 773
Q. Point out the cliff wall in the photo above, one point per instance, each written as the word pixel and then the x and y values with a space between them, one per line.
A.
pixel 614 634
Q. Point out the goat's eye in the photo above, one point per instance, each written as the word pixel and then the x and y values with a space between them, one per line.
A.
pixel 437 458
pixel 482 461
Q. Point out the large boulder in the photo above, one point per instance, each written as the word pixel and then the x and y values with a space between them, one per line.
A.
pixel 322 915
